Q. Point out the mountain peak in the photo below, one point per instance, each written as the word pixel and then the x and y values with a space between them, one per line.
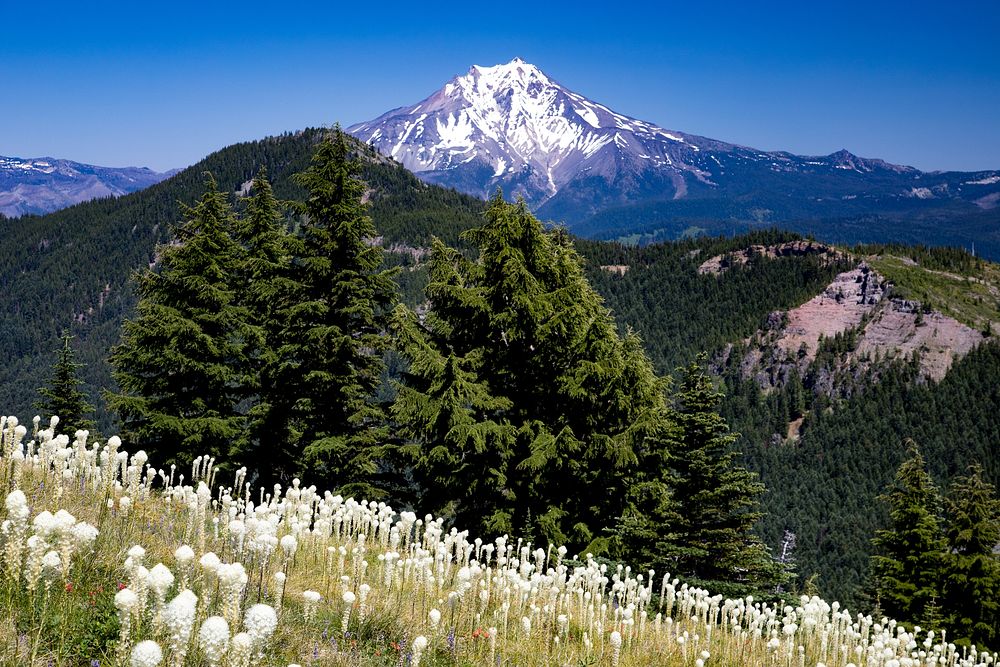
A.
pixel 516 73
pixel 513 126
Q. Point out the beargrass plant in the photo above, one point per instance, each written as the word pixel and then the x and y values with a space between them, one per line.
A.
pixel 107 560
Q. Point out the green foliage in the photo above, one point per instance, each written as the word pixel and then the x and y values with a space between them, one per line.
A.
pixel 72 269
pixel 261 275
pixel 62 397
pixel 681 312
pixel 333 313
pixel 717 499
pixel 971 584
pixel 181 358
pixel 946 279
pixel 823 486
pixel 520 386
pixel 909 554
pixel 69 270
pixel 934 258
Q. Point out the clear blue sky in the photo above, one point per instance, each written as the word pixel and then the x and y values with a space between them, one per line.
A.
pixel 163 84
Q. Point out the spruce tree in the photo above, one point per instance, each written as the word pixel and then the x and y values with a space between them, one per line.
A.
pixel 180 363
pixel 334 313
pixel 907 564
pixel 971 596
pixel 520 384
pixel 62 397
pixel 717 500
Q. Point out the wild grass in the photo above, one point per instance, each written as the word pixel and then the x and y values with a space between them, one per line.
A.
pixel 973 300
pixel 393 589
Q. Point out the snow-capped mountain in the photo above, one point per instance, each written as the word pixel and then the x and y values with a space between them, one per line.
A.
pixel 513 126
pixel 42 185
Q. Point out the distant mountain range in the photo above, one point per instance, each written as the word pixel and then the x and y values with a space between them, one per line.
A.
pixel 43 185
pixel 607 175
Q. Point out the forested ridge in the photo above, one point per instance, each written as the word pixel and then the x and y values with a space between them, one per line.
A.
pixel 71 269
pixel 78 261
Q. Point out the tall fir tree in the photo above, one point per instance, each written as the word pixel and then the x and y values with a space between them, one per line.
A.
pixel 908 556
pixel 520 384
pixel 717 500
pixel 334 311
pixel 261 274
pixel 62 397
pixel 180 364
pixel 971 596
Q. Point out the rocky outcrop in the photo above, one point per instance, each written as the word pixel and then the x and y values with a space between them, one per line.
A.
pixel 857 306
pixel 718 264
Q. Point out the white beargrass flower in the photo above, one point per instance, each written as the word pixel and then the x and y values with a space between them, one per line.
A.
pixel 84 535
pixel 184 555
pixel 260 622
pixel 17 505
pixel 179 617
pixel 213 639
pixel 348 597
pixel 139 582
pixel 17 513
pixel 419 644
pixel 232 578
pixel 241 650
pixel 289 544
pixel 616 647
pixel 146 654
pixel 279 590
pixel 526 626
pixel 51 566
pixel 310 600
pixel 160 581
pixel 209 563
pixel 435 618
pixel 136 554
pixel 126 601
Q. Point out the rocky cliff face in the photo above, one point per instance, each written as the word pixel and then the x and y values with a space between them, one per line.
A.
pixel 836 336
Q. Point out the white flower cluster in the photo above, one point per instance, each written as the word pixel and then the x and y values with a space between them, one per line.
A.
pixel 55 540
pixel 523 596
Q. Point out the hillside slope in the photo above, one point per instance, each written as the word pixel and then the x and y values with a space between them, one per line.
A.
pixel 824 427
pixel 121 567
pixel 71 269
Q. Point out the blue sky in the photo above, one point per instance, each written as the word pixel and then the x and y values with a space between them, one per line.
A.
pixel 162 86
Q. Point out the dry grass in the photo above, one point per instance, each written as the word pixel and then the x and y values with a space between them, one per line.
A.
pixel 394 570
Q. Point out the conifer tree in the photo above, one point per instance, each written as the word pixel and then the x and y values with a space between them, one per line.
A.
pixel 520 381
pixel 180 363
pixel 451 421
pixel 261 276
pixel 334 313
pixel 971 599
pixel 908 559
pixel 62 397
pixel 717 500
